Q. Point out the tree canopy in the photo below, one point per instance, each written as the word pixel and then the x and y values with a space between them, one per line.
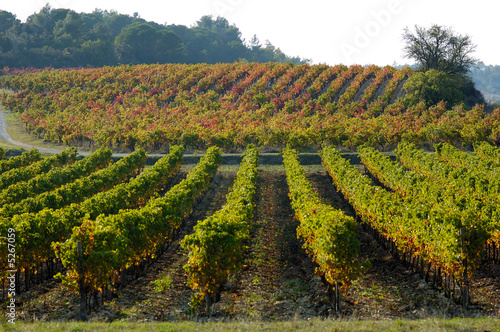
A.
pixel 445 60
pixel 431 87
pixel 63 38
pixel 439 48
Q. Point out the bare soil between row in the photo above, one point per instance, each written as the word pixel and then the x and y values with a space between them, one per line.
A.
pixel 278 281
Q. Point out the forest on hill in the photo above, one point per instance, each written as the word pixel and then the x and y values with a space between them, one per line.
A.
pixel 63 38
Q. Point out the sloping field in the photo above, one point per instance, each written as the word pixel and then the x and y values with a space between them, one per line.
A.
pixel 229 105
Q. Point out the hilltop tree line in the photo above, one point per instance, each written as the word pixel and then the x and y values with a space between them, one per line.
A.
pixel 63 38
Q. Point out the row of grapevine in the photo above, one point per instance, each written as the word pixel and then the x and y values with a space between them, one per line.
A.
pixel 412 183
pixel 464 209
pixel 25 159
pixel 464 179
pixel 416 229
pixel 491 155
pixel 99 249
pixel 37 231
pixel 391 174
pixel 349 93
pixel 457 158
pixel 329 235
pixel 56 177
pixel 81 188
pixel 21 174
pixel 487 152
pixel 431 166
pixel 380 77
pixel 167 104
pixel 216 246
pixel 470 183
pixel 233 104
pixel 397 77
pixel 321 83
pixel 342 75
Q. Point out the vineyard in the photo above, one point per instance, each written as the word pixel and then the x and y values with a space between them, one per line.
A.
pixel 408 235
pixel 232 105
pixel 352 231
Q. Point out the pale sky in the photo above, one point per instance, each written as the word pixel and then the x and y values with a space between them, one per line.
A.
pixel 325 31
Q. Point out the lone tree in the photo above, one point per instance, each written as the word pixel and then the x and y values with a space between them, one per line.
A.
pixel 441 49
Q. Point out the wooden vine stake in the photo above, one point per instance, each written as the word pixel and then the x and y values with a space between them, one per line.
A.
pixel 82 315
pixel 337 298
pixel 465 284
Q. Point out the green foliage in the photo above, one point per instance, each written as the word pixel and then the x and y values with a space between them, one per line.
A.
pixel 82 188
pixel 63 38
pixel 162 284
pixel 476 183
pixel 216 246
pixel 25 159
pixel 487 152
pixel 415 228
pixel 431 87
pixel 142 43
pixel 56 177
pixel 57 225
pixel 21 174
pixel 329 235
pixel 116 242
pixel 447 200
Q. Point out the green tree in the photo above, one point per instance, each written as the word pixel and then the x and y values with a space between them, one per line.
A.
pixel 6 20
pixel 214 40
pixel 439 48
pixel 94 52
pixel 442 49
pixel 169 47
pixel 431 87
pixel 134 44
pixel 67 32
pixel 142 43
pixel 63 38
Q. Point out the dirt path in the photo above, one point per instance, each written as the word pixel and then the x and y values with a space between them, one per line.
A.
pixel 279 281
pixel 390 290
pixel 4 135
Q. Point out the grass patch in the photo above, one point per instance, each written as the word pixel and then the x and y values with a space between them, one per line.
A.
pixel 162 284
pixel 10 146
pixel 17 131
pixel 456 324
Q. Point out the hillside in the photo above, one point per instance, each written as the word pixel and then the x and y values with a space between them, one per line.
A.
pixel 233 104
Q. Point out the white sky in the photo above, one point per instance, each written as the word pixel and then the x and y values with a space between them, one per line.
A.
pixel 331 32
